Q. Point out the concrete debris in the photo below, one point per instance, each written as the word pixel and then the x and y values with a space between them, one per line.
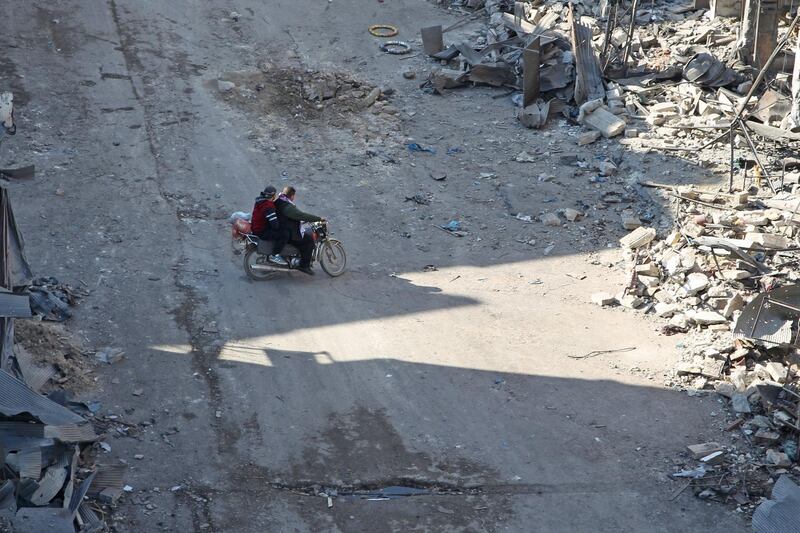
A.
pixel 603 298
pixel 638 238
pixel 588 137
pixel 658 77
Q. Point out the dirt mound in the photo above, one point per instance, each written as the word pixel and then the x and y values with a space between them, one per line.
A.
pixel 50 343
pixel 293 92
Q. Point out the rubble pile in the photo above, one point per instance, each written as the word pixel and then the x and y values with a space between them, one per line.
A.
pixel 672 74
pixel 304 93
pixel 727 277
pixel 764 449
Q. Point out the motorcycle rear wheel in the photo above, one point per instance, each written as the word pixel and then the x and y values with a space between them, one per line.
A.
pixel 251 258
pixel 332 258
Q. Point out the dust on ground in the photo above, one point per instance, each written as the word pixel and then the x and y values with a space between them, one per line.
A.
pixel 296 93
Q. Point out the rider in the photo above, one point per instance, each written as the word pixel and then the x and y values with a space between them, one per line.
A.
pixel 289 216
pixel 264 223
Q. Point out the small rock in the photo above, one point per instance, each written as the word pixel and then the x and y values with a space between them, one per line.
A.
pixel 695 282
pixel 631 133
pixel 679 320
pixel 138 456
pixel 734 304
pixel 774 457
pixel 725 389
pixel 607 168
pixel 699 451
pixel 372 97
pixel 740 403
pixel 409 74
pixel 767 240
pixel 631 222
pixel 588 138
pixel 631 301
pixel 551 219
pixel 572 214
pixel 685 368
pixel 665 310
pixel 603 298
pixel 525 157
pixel 225 86
pixel 706 318
pixel 765 436
pixel 776 371
pixel 648 269
pixel 736 274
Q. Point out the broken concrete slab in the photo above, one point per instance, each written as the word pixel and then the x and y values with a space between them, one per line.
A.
pixel 432 39
pixel 603 299
pixel 608 124
pixel 638 238
pixel 699 451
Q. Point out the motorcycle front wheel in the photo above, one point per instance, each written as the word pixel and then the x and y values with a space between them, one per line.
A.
pixel 332 258
pixel 251 262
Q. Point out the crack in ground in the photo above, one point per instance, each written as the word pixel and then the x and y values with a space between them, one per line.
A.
pixel 429 488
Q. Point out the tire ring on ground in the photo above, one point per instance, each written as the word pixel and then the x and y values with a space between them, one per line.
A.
pixel 396 47
pixel 383 30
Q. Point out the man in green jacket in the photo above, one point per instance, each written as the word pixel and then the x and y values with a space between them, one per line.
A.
pixel 289 216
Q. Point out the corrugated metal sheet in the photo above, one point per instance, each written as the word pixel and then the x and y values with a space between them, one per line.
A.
pixel 91 523
pixel 34 376
pixel 80 493
pixel 29 463
pixel 765 319
pixel 71 433
pixel 73 468
pixel 8 500
pixel 108 477
pixel 781 514
pixel 17 398
pixel 15 305
pixel 21 429
pixel 52 481
pixel 24 443
pixel 22 435
pixel 588 76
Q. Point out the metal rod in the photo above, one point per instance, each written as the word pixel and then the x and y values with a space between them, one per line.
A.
pixel 730 179
pixel 630 35
pixel 755 154
pixel 609 29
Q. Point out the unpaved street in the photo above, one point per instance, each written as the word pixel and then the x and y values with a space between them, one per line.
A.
pixel 259 396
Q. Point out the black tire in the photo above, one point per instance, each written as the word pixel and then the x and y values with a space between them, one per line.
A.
pixel 332 257
pixel 250 257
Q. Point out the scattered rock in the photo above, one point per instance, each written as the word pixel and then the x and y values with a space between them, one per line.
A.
pixel 225 86
pixel 603 298
pixel 551 219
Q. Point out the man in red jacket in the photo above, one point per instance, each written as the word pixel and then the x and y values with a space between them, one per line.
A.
pixel 264 223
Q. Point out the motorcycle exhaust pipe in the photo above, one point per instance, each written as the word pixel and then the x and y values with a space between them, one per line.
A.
pixel 264 268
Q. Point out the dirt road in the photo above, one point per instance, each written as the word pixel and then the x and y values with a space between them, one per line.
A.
pixel 257 397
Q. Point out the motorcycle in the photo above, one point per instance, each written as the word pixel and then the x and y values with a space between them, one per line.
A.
pixel 329 252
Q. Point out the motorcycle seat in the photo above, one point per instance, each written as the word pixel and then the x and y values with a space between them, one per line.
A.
pixel 265 248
